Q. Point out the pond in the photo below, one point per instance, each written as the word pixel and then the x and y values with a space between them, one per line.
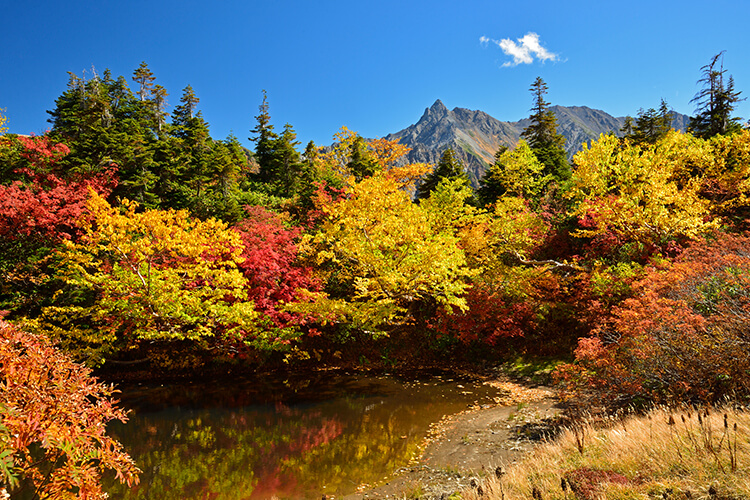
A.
pixel 291 439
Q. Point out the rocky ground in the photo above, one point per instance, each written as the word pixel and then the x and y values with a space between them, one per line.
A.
pixel 479 441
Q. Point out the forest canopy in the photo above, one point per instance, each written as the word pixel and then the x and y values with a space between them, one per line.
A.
pixel 129 234
pixel 129 237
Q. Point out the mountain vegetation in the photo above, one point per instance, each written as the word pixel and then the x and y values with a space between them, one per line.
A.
pixel 475 136
pixel 132 238
pixel 546 143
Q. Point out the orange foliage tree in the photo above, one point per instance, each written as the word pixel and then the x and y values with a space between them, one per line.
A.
pixel 53 416
pixel 682 336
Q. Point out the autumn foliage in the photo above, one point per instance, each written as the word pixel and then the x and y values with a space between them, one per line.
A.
pixel 682 336
pixel 53 417
pixel 636 194
pixel 109 278
pixel 43 204
pixel 269 264
pixel 490 318
pixel 385 254
pixel 40 207
pixel 156 275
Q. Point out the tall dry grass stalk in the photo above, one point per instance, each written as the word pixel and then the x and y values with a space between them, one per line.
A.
pixel 665 454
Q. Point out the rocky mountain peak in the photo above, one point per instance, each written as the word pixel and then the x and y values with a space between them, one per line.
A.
pixel 475 136
pixel 435 112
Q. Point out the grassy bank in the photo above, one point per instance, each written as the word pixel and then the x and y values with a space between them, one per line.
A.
pixel 665 454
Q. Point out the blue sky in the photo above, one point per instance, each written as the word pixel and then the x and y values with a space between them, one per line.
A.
pixel 373 66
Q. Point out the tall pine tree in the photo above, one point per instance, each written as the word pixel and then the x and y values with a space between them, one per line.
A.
pixel 265 142
pixel 649 126
pixel 490 186
pixel 542 136
pixel 715 102
pixel 278 160
pixel 145 80
pixel 192 149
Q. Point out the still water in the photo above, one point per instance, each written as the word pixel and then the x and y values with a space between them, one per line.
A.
pixel 292 439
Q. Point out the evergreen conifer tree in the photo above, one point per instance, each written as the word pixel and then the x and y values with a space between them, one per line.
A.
pixel 649 126
pixel 287 162
pixel 449 167
pixel 158 107
pixel 715 102
pixel 278 160
pixel 361 164
pixel 145 80
pixel 265 142
pixel 542 136
pixel 192 150
pixel 490 186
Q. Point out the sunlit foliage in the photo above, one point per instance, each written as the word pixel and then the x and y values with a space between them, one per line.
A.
pixel 388 252
pixel 53 413
pixel 40 206
pixel 682 336
pixel 636 193
pixel 151 276
pixel 519 173
pixel 269 264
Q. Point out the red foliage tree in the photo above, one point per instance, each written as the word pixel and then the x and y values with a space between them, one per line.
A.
pixel 39 208
pixel 490 318
pixel 270 265
pixel 46 206
pixel 41 152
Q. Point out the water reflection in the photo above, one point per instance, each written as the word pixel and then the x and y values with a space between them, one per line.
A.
pixel 297 439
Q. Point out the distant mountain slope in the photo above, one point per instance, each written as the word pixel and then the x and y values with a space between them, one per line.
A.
pixel 475 136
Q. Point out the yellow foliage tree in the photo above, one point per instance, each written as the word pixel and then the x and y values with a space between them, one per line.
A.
pixel 387 152
pixel 391 254
pixel 519 172
pixel 335 160
pixel 383 154
pixel 640 191
pixel 156 275
pixel 726 173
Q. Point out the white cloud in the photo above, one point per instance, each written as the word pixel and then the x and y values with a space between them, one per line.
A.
pixel 523 52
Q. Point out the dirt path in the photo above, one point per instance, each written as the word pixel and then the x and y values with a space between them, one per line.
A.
pixel 473 443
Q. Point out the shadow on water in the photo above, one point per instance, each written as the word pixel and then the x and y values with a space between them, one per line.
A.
pixel 293 438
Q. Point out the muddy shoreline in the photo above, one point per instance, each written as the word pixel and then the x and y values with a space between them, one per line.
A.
pixel 469 445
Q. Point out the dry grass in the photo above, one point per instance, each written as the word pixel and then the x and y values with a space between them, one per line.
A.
pixel 665 454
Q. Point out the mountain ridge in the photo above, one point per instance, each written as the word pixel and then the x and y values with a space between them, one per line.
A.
pixel 475 136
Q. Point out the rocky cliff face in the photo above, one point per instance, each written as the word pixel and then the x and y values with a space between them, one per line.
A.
pixel 475 136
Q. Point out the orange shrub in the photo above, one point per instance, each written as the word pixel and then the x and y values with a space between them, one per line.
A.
pixel 684 335
pixel 53 417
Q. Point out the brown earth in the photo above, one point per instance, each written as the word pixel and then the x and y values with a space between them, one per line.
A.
pixel 464 447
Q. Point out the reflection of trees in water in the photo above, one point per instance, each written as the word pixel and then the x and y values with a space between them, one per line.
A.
pixel 256 455
pixel 285 451
pixel 220 455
